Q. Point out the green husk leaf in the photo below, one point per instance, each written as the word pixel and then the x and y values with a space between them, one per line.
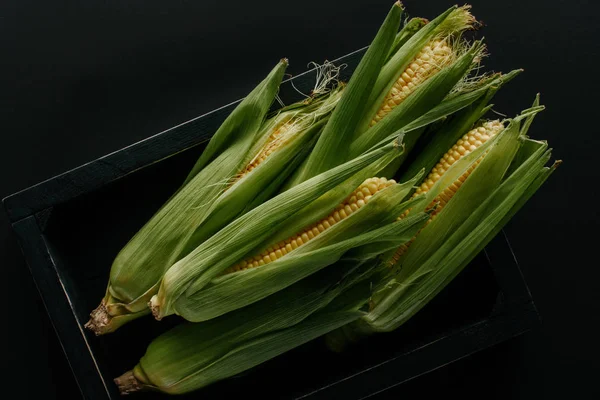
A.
pixel 332 147
pixel 265 348
pixel 250 111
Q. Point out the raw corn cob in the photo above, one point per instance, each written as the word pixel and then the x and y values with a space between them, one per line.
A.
pixel 430 60
pixel 192 356
pixel 429 69
pixel 467 144
pixel 505 172
pixel 391 93
pixel 357 199
pixel 196 288
pixel 220 186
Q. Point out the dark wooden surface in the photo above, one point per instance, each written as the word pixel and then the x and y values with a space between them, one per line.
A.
pixel 82 80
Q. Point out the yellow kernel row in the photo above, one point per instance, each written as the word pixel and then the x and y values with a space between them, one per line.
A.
pixel 430 60
pixel 357 199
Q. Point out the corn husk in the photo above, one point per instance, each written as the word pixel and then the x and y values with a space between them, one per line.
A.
pixel 347 133
pixel 332 148
pixel 287 211
pixel 511 171
pixel 192 356
pixel 408 30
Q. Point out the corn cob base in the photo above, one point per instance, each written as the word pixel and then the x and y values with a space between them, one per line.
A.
pixel 128 383
pixel 102 321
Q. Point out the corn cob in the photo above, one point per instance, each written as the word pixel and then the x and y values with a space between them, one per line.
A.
pixel 272 143
pixel 467 144
pixel 349 133
pixel 208 199
pixel 195 286
pixel 430 60
pixel 192 356
pixel 139 266
pixel 357 199
pixel 418 80
pixel 511 170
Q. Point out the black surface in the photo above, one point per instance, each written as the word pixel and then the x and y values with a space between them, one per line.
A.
pixel 82 80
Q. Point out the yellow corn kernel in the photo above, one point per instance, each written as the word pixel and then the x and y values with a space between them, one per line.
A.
pixel 270 146
pixel 350 205
pixel 469 142
pixel 430 60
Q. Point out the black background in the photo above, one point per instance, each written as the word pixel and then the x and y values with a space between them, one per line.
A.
pixel 82 79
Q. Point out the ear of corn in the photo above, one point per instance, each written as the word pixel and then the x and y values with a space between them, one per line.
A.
pixel 397 306
pixel 458 204
pixel 461 102
pixel 426 53
pixel 235 240
pixel 505 178
pixel 332 147
pixel 449 133
pixel 288 142
pixel 237 289
pixel 191 356
pixel 136 271
pixel 425 97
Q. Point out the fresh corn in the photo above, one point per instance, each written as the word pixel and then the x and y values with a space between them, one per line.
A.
pixel 191 356
pixel 244 163
pixel 139 266
pixel 467 144
pixel 511 170
pixel 430 60
pixel 381 85
pixel 196 289
pixel 357 199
